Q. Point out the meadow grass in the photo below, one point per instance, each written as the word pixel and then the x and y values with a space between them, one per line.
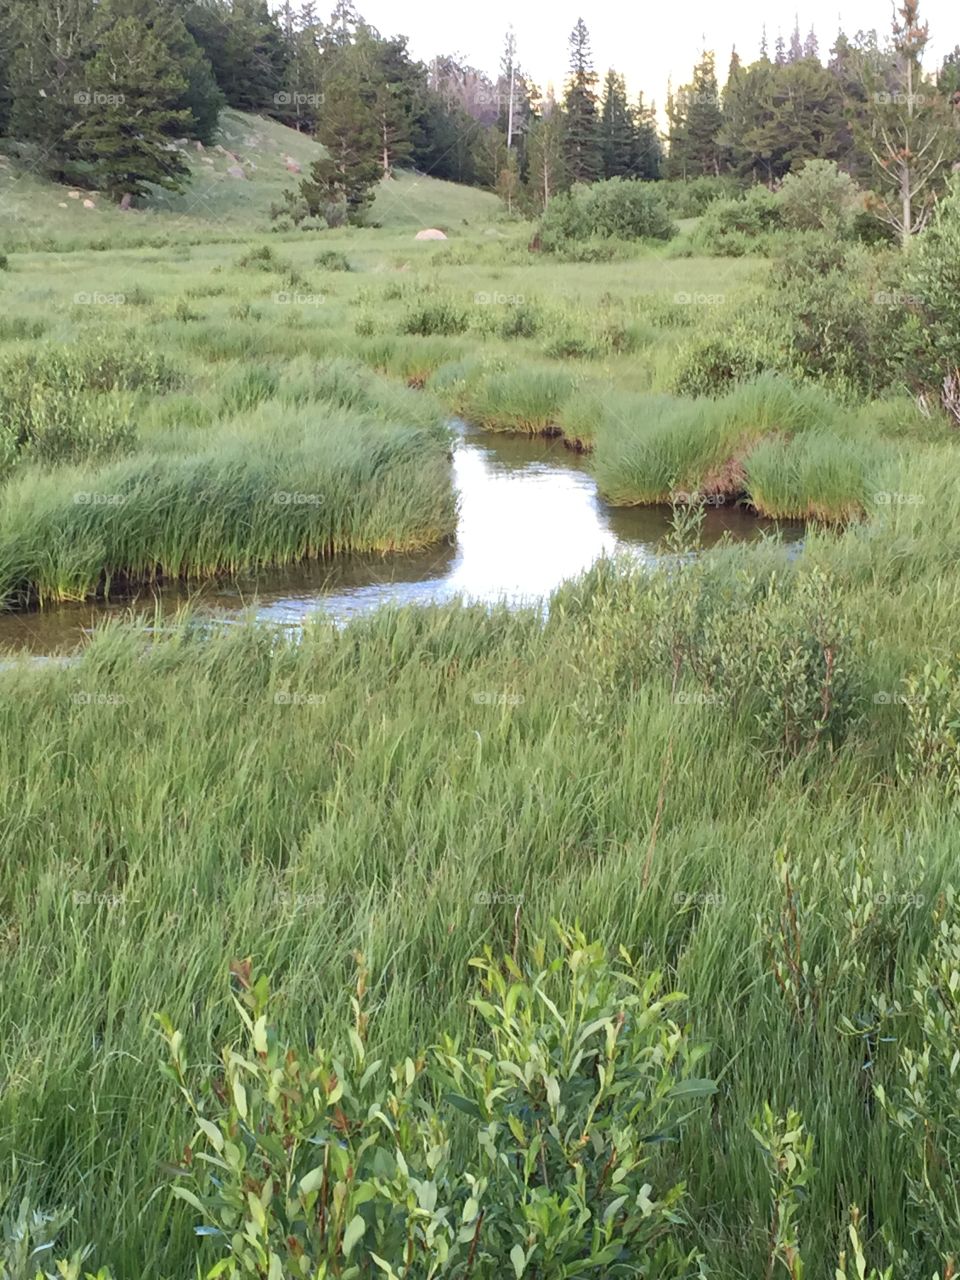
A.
pixel 711 763
pixel 273 487
pixel 399 788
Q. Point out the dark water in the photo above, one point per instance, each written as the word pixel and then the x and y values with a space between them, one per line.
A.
pixel 530 517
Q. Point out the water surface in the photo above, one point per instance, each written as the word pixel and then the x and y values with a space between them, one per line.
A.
pixel 529 518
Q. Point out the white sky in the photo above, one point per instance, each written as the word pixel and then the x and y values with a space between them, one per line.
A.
pixel 647 43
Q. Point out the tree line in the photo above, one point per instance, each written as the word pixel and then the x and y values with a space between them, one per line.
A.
pixel 98 92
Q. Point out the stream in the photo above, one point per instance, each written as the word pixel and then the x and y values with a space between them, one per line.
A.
pixel 529 518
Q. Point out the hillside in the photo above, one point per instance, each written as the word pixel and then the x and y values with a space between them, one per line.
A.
pixel 218 203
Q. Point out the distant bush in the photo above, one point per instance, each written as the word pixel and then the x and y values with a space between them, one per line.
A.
pixel 67 405
pixel 832 306
pixel 820 197
pixel 619 209
pixel 932 290
pixel 732 228
pixel 435 318
pixel 249 388
pixel 713 363
pixel 333 260
pixel 691 197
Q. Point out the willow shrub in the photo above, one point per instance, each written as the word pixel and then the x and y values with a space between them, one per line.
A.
pixel 532 1152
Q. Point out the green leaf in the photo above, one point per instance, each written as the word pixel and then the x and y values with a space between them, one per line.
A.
pixel 240 1098
pixel 466 1105
pixel 183 1194
pixel 519 1260
pixel 211 1133
pixel 693 1089
pixel 311 1181
pixel 260 1040
pixel 353 1234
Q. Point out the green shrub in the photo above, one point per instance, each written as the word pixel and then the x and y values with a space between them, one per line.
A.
pixel 249 388
pixel 933 286
pixel 530 1150
pixel 262 258
pixel 68 405
pixel 731 228
pixel 710 365
pixel 333 260
pixel 820 197
pixel 435 318
pixel 619 209
pixel 691 197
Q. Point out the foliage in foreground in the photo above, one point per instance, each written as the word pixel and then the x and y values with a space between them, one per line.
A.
pixel 531 1151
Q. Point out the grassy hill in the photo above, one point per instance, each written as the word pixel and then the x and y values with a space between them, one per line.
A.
pixel 39 215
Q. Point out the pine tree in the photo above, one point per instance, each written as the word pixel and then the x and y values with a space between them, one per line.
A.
pixel 779 51
pixel 617 132
pixel 696 122
pixel 581 125
pixel 648 155
pixel 47 79
pixel 130 112
pixel 547 173
pixel 796 44
pixel 202 97
pixel 343 182
pixel 911 134
pixel 811 46
pixel 393 131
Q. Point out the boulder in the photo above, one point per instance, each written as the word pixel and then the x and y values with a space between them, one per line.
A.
pixel 292 166
pixel 74 195
pixel 430 233
pixel 235 171
pixel 126 202
pixel 88 204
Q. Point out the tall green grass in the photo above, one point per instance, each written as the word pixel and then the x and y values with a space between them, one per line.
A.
pixel 275 487
pixel 401 787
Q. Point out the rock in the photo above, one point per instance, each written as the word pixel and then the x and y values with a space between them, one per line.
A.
pixel 235 171
pixel 183 142
pixel 430 233
pixel 62 204
pixel 126 202
pixel 74 195
pixel 88 204
pixel 292 166
pixel 206 160
pixel 199 145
